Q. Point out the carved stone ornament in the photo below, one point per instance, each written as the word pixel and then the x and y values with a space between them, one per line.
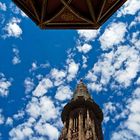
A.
pixel 89 134
pixel 64 132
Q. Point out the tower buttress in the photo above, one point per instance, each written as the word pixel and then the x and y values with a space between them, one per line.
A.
pixel 82 117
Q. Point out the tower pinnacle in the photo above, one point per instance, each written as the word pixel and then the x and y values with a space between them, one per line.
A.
pixel 81 91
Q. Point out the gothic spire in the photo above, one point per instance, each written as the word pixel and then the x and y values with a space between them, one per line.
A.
pixel 81 91
pixel 82 117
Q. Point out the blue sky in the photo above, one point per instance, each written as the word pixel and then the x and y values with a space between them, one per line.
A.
pixel 39 70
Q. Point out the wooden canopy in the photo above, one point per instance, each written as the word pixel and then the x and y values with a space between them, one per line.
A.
pixel 69 14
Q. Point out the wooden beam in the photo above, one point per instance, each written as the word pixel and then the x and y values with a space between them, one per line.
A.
pixel 34 9
pixel 102 8
pixel 110 9
pixel 66 4
pixel 23 6
pixel 91 10
pixel 44 7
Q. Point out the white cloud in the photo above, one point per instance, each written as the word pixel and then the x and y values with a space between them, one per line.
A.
pixel 88 35
pixel 138 81
pixel 16 59
pixel 2 119
pixel 45 65
pixel 72 70
pixel 40 111
pixel 36 66
pixel 4 85
pixel 129 129
pixel 42 87
pixel 120 65
pixel 95 86
pixel 135 40
pixel 84 60
pixel 63 93
pixel 33 108
pixel 3 6
pixel 135 21
pixel 47 129
pixel 48 110
pixel 101 72
pixel 130 8
pixel 2 19
pixel 84 48
pixel 33 130
pixel 111 112
pixel 121 115
pixel 16 10
pixel 0 135
pixel 123 135
pixel 21 132
pixel 58 75
pixel 113 35
pixel 12 28
pixel 9 121
pixel 130 58
pixel 16 51
pixel 28 84
pixel 43 107
pixel 19 115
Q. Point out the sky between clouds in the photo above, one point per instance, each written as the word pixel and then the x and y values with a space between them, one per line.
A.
pixel 40 69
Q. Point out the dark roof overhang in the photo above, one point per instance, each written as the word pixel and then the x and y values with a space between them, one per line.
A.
pixel 69 14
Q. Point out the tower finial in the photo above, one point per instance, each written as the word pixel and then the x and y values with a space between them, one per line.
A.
pixel 81 91
pixel 81 80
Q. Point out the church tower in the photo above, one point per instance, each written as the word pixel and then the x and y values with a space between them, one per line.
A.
pixel 81 117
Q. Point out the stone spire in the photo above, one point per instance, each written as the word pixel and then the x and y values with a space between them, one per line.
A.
pixel 81 91
pixel 81 117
